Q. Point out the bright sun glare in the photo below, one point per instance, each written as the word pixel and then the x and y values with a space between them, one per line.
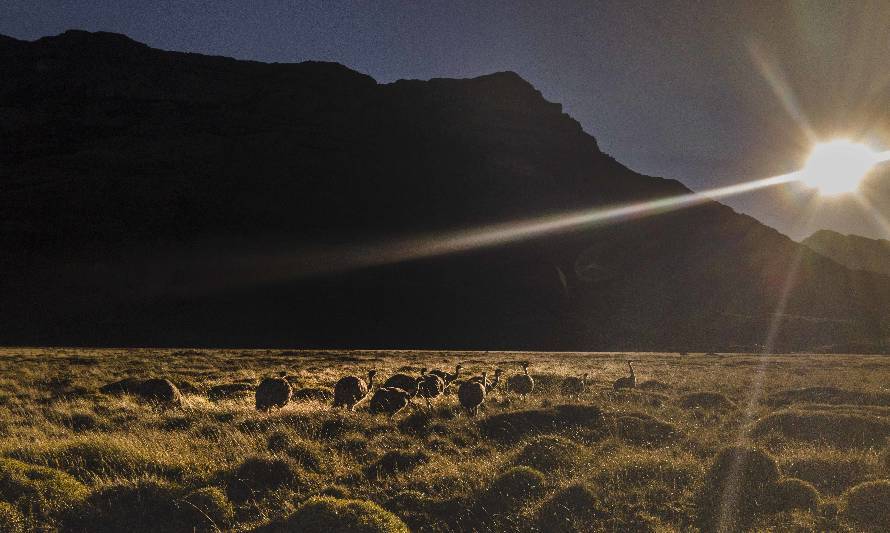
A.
pixel 838 166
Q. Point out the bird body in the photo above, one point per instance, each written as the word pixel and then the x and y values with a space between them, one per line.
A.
pixel 522 384
pixel 389 400
pixel 350 390
pixel 403 381
pixel 472 393
pixel 574 386
pixel 445 376
pixel 628 382
pixel 430 386
pixel 491 384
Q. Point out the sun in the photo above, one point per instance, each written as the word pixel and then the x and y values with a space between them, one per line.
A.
pixel 838 167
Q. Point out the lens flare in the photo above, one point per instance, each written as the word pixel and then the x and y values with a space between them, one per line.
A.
pixel 839 166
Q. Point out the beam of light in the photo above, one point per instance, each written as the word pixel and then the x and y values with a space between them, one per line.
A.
pixel 729 500
pixel 875 213
pixel 305 263
pixel 776 80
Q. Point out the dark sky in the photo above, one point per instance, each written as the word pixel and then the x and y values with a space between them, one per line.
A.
pixel 674 89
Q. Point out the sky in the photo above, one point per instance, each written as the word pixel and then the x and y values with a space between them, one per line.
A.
pixel 709 93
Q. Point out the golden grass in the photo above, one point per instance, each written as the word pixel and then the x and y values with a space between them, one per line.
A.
pixel 608 460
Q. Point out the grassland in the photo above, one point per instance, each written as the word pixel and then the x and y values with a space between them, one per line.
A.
pixel 807 437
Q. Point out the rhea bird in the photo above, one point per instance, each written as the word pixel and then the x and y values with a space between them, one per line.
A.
pixel 445 376
pixel 491 384
pixel 429 387
pixel 521 384
pixel 628 382
pixel 471 394
pixel 389 400
pixel 574 386
pixel 405 382
pixel 350 390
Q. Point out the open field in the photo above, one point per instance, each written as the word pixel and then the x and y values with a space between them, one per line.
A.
pixel 649 459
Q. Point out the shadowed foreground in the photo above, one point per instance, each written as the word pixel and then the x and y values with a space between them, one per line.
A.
pixel 687 449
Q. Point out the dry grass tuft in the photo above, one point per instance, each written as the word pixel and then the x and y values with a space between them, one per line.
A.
pixel 706 400
pixel 326 514
pixel 868 505
pixel 834 428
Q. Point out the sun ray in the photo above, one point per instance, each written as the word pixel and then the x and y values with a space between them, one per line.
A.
pixel 730 497
pixel 319 261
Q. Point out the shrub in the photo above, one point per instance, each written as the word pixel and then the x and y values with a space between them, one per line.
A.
pixel 512 488
pixel 839 429
pixel 706 400
pixel 574 508
pixel 37 489
pixel 256 476
pixel 789 494
pixel 868 504
pixel 736 488
pixel 321 514
pixel 550 452
pixel 11 520
pixel 395 462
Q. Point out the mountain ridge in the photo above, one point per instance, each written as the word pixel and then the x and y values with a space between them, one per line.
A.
pixel 851 250
pixel 140 173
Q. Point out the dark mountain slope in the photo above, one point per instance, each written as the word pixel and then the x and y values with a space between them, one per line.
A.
pixel 852 251
pixel 156 197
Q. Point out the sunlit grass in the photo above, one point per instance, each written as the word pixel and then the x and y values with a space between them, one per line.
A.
pixel 643 458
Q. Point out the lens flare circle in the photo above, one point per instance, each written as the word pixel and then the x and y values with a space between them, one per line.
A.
pixel 838 167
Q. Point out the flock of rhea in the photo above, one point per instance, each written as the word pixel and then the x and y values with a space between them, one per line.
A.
pixel 398 390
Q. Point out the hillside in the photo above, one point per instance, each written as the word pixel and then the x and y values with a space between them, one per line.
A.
pixel 163 198
pixel 852 251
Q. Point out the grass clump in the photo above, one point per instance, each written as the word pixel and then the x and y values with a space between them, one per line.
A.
pixel 574 508
pixel 324 514
pixel 512 488
pixel 737 487
pixel 868 505
pixel 149 505
pixel 706 400
pixel 830 472
pixel 644 430
pixel 515 425
pixel 395 462
pixel 790 493
pixel 827 395
pixel 256 476
pixel 550 452
pixel 38 490
pixel 208 509
pixel 11 519
pixel 839 429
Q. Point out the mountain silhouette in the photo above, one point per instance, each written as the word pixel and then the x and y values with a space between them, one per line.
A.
pixel 853 251
pixel 165 198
